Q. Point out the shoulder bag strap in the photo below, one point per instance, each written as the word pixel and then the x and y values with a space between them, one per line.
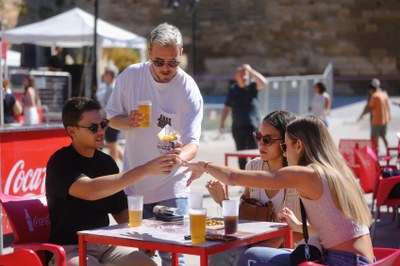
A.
pixel 304 221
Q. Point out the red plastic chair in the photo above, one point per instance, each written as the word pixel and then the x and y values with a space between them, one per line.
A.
pixel 30 222
pixel 20 257
pixel 385 256
pixel 381 187
pixel 347 146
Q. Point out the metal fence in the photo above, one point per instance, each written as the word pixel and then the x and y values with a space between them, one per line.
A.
pixel 290 93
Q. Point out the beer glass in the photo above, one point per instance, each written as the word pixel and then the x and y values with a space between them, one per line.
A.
pixel 198 226
pixel 135 206
pixel 144 107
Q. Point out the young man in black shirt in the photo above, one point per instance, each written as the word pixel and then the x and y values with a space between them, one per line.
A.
pixel 83 186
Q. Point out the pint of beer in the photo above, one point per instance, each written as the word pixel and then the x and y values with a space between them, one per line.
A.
pixel 135 206
pixel 144 107
pixel 197 226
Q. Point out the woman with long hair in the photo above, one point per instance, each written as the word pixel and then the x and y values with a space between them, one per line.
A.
pixel 321 102
pixel 270 134
pixel 31 101
pixel 333 200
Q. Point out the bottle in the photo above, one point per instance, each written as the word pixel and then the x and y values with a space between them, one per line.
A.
pixel 28 221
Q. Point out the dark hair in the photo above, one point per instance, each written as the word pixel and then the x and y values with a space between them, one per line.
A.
pixel 279 120
pixel 73 109
pixel 321 86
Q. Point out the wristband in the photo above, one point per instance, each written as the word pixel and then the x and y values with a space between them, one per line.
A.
pixel 205 166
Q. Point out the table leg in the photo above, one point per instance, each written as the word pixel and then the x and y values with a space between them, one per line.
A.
pixel 175 259
pixel 204 259
pixel 82 251
pixel 289 238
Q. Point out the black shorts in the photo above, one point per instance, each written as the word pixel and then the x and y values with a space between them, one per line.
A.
pixel 112 135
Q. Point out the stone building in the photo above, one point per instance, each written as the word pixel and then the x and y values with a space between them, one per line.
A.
pixel 276 37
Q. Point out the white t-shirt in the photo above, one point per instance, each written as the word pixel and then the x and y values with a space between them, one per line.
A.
pixel 178 102
pixel 318 105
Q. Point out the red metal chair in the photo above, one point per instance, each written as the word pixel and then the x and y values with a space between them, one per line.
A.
pixel 381 187
pixel 385 256
pixel 30 222
pixel 20 257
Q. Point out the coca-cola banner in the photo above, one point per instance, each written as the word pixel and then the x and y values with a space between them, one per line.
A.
pixel 23 156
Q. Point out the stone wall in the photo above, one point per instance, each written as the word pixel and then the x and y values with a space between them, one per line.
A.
pixel 277 37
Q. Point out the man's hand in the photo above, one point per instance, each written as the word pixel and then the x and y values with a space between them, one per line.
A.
pixel 162 165
pixel 135 118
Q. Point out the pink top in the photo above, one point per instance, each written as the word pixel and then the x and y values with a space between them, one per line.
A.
pixel 329 222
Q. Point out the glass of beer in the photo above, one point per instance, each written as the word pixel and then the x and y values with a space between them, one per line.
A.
pixel 144 107
pixel 230 211
pixel 135 206
pixel 198 225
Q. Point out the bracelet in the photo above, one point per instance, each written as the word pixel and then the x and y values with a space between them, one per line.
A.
pixel 205 166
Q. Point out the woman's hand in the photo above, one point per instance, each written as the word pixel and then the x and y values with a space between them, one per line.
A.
pixel 287 215
pixel 197 170
pixel 216 190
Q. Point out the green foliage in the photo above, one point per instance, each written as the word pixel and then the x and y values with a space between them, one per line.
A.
pixel 122 57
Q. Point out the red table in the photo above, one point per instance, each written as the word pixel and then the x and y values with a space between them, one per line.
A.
pixel 158 235
pixel 242 154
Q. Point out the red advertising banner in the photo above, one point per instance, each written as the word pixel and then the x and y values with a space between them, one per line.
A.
pixel 24 155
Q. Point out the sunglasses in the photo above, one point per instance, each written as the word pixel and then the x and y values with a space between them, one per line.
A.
pixel 161 62
pixel 284 145
pixel 93 128
pixel 265 139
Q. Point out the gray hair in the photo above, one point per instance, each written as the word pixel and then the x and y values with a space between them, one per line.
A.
pixel 166 35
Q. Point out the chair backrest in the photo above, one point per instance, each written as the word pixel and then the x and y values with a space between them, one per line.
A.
pixel 347 146
pixel 369 170
pixel 387 256
pixel 20 257
pixel 28 216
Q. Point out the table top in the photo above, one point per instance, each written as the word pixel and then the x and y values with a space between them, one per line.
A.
pixel 156 231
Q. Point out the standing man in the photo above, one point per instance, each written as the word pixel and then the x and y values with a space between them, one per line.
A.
pixel 242 100
pixel 176 100
pixel 102 95
pixel 83 186
pixel 57 61
pixel 378 106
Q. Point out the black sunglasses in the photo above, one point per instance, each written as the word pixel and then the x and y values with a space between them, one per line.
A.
pixel 95 127
pixel 284 145
pixel 161 62
pixel 266 140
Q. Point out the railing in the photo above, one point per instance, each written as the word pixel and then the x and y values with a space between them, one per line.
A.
pixel 290 93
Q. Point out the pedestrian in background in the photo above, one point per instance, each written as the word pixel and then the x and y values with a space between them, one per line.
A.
pixel 11 106
pixel 102 95
pixel 242 101
pixel 378 106
pixel 321 103
pixel 31 101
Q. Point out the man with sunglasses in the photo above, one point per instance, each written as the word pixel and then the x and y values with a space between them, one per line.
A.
pixel 176 101
pixel 242 100
pixel 84 186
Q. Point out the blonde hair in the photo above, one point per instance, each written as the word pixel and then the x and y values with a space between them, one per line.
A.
pixel 322 154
